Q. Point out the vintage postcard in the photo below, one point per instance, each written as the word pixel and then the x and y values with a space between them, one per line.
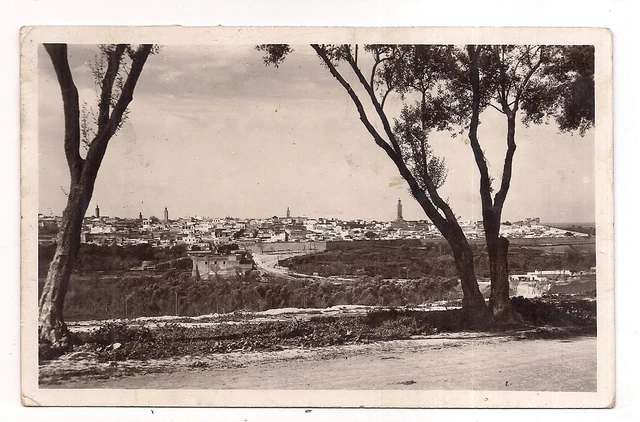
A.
pixel 317 217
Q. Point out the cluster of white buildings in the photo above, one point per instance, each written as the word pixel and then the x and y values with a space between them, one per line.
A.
pixel 219 231
pixel 532 229
pixel 536 283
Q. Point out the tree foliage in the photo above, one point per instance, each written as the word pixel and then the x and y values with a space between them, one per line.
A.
pixel 538 81
pixel 415 149
pixel 414 73
pixel 565 90
pixel 446 88
pixel 545 82
pixel 274 53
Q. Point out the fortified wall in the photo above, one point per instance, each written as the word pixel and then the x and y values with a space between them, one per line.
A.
pixel 284 247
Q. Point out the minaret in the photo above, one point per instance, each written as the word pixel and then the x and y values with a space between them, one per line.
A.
pixel 166 215
pixel 400 210
pixel 288 213
pixel 97 211
pixel 140 216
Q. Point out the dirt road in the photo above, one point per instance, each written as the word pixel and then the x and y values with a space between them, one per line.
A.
pixel 455 363
pixel 268 263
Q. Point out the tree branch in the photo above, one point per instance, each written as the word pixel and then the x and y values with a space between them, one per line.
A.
pixel 396 157
pixel 431 188
pixel 114 58
pixel 508 162
pixel 433 193
pixel 384 97
pixel 98 146
pixel 376 104
pixel 500 110
pixel 376 62
pixel 58 54
pixel 526 80
pixel 507 170
pixel 478 154
pixel 139 59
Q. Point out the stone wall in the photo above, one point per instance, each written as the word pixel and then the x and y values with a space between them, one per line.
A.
pixel 283 247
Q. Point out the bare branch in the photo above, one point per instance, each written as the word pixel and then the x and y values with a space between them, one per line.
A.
pixel 99 144
pixel 501 196
pixel 376 104
pixel 114 57
pixel 384 97
pixel 70 101
pixel 395 156
pixel 478 154
pixel 492 105
pixel 526 80
pixel 376 62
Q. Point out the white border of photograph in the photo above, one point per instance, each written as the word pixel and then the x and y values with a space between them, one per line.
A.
pixel 33 395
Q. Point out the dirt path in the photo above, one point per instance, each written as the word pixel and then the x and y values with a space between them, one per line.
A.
pixel 443 363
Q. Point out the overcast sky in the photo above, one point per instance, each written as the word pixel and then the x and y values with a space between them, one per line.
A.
pixel 214 132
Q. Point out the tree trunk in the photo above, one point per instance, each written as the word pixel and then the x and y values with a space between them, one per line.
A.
pixel 51 327
pixel 473 303
pixel 52 331
pixel 497 249
pixel 499 301
pixel 436 209
pixel 497 245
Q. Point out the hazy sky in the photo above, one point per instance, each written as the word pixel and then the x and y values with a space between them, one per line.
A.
pixel 213 132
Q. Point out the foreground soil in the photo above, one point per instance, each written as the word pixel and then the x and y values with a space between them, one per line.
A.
pixel 462 361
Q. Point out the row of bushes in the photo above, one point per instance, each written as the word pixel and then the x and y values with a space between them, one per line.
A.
pixel 175 340
pixel 96 298
pixel 431 260
pixel 109 258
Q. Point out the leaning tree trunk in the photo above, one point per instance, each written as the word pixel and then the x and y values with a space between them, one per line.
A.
pixel 473 303
pixel 434 206
pixel 52 330
pixel 51 327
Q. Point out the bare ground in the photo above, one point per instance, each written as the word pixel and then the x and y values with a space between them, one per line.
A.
pixel 462 361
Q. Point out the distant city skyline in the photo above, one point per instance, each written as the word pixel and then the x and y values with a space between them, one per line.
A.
pixel 213 132
pixel 287 215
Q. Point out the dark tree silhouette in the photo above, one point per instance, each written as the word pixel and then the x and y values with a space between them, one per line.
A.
pixel 116 72
pixel 541 82
pixel 450 88
pixel 410 71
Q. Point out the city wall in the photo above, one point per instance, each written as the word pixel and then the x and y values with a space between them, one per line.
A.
pixel 351 244
pixel 310 247
pixel 292 247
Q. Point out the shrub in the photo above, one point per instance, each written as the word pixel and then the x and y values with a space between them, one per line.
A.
pixel 559 313
pixel 116 332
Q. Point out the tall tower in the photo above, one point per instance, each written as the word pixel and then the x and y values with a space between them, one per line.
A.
pixel 400 210
pixel 140 216
pixel 166 215
pixel 97 211
pixel 288 213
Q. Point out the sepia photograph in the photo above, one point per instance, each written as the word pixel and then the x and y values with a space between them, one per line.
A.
pixel 332 217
